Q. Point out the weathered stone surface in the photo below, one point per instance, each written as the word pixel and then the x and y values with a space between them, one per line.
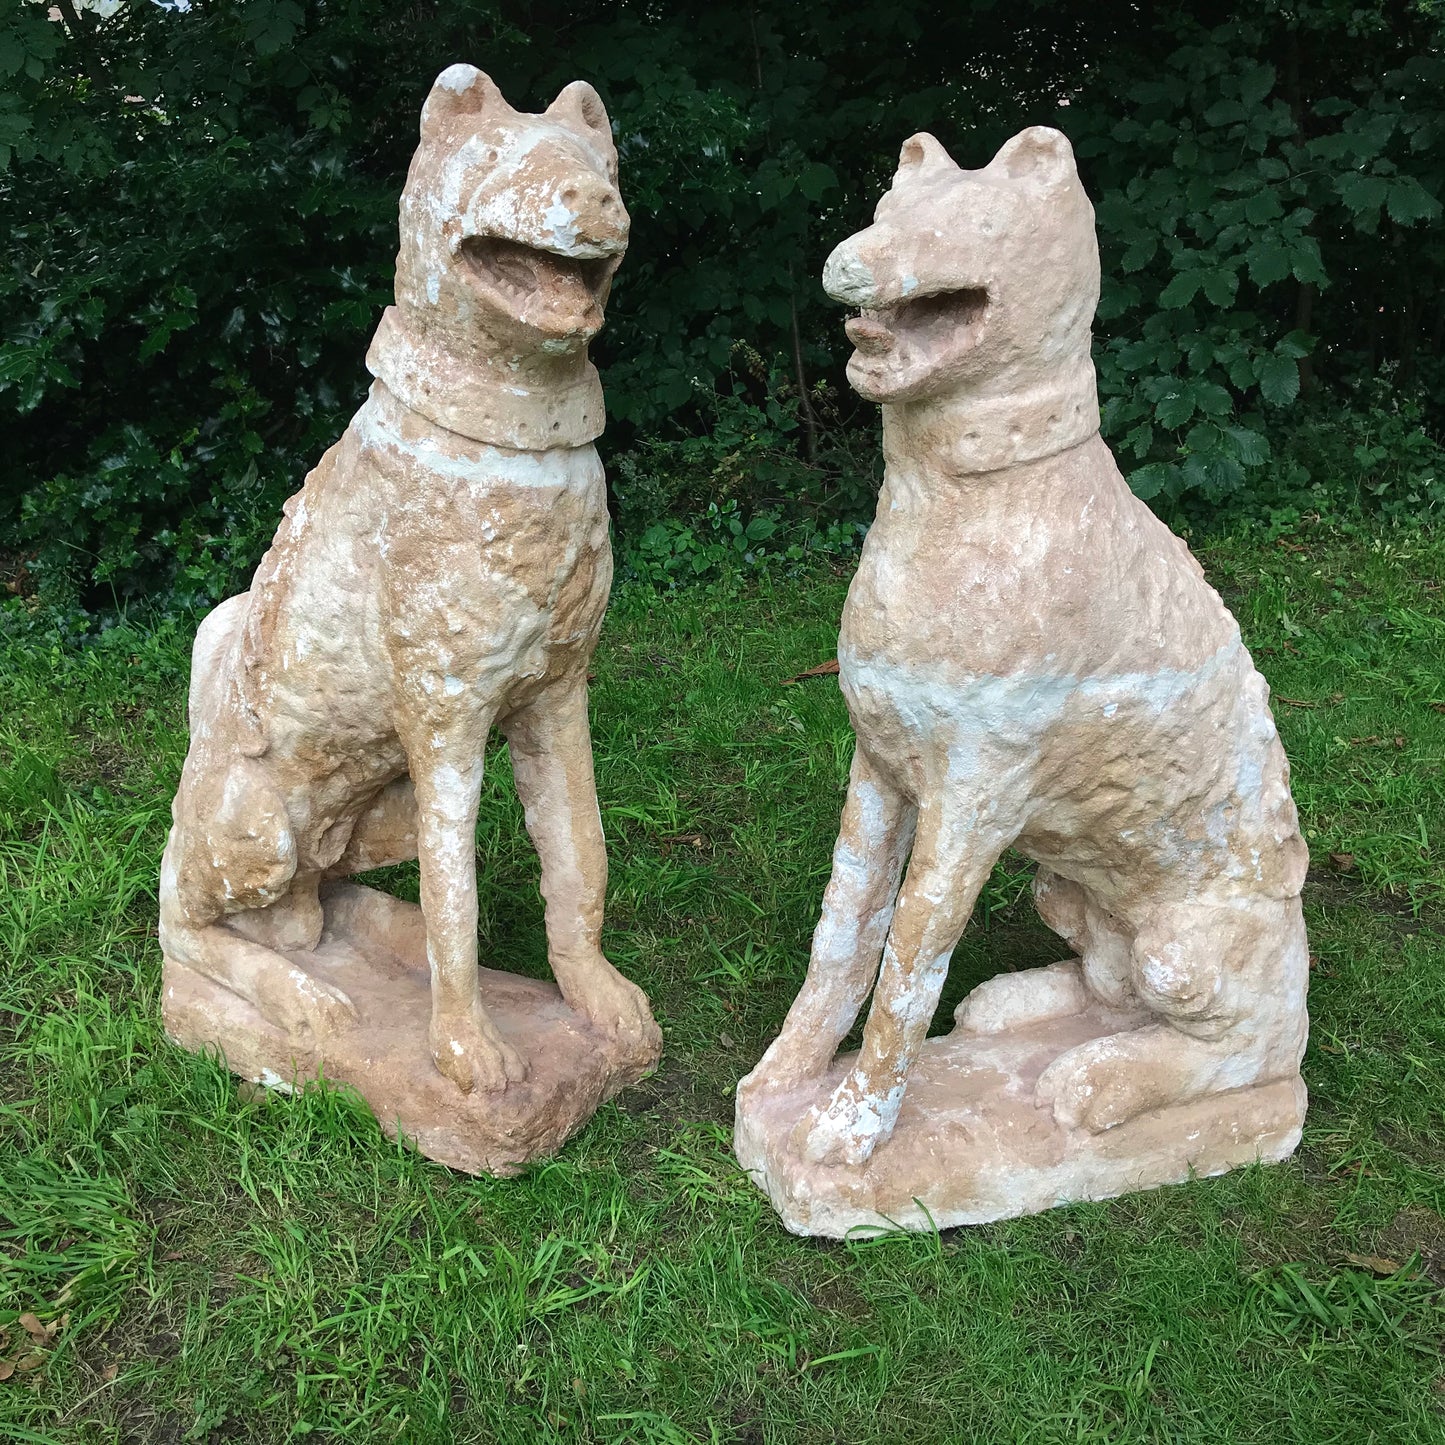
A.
pixel 443 570
pixel 1031 660
pixel 373 948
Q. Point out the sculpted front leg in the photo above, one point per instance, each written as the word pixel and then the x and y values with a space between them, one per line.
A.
pixel 950 865
pixel 873 840
pixel 551 748
pixel 465 1043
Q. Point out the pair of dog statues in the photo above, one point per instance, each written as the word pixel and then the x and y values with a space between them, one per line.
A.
pixel 1030 660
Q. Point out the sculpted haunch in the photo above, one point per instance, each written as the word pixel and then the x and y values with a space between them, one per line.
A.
pixel 1031 660
pixel 444 569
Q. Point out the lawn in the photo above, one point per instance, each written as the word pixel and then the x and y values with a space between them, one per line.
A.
pixel 198 1260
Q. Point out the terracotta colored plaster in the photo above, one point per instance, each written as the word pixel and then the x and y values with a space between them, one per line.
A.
pixel 1031 660
pixel 443 570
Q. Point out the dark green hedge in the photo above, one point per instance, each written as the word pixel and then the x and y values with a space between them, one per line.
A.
pixel 201 210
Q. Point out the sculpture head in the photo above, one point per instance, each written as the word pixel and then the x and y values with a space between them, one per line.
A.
pixel 511 224
pixel 971 281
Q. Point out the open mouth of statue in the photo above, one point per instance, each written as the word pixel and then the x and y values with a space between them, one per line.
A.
pixel 558 295
pixel 949 321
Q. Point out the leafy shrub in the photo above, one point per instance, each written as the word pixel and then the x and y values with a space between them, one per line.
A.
pixel 1235 194
pixel 203 212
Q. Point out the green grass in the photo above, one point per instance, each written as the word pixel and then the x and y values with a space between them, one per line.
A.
pixel 223 1266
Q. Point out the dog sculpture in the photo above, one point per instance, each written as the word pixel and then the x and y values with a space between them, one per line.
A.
pixel 1031 659
pixel 444 569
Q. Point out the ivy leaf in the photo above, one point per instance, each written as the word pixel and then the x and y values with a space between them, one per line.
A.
pixel 1407 201
pixel 1262 206
pixel 1139 439
pixel 1249 446
pixel 1363 194
pixel 1149 481
pixel 1255 84
pixel 1306 263
pixel 1278 379
pixel 1220 286
pixel 1224 112
pixel 271 25
pixel 1268 262
pixel 1175 407
pixel 1181 290
pixel 1138 355
pixel 816 178
pixel 1212 399
pixel 12 53
pixel 1139 253
pixel 1296 344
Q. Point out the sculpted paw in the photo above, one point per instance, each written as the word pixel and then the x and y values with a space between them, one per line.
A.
pixel 1015 1000
pixel 784 1066
pixel 617 1007
pixel 848 1129
pixel 303 1005
pixel 473 1055
pixel 1108 1081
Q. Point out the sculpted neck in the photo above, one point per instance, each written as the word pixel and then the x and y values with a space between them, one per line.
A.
pixel 527 404
pixel 966 433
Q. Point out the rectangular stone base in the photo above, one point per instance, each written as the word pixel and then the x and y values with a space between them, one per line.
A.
pixel 971 1145
pixel 374 947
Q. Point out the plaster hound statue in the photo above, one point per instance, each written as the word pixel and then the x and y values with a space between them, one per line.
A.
pixel 443 570
pixel 1031 660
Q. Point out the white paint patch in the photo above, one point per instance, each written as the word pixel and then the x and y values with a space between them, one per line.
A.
pixel 458 78
pixel 560 221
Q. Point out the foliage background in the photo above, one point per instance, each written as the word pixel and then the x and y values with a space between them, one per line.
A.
pixel 201 211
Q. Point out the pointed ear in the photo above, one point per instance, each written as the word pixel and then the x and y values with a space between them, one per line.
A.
pixel 580 108
pixel 922 156
pixel 1039 155
pixel 460 90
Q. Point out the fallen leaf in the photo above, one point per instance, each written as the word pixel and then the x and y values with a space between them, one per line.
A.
pixel 1399 741
pixel 1314 960
pixel 727 1041
pixel 1296 701
pixel 41 1334
pixel 29 1362
pixel 110 1372
pixel 823 669
pixel 1343 861
pixel 1375 1263
pixel 173 1254
pixel 694 840
pixel 7 1368
pixel 1365 742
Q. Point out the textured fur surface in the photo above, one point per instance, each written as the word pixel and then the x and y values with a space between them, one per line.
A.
pixel 1032 660
pixel 444 569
